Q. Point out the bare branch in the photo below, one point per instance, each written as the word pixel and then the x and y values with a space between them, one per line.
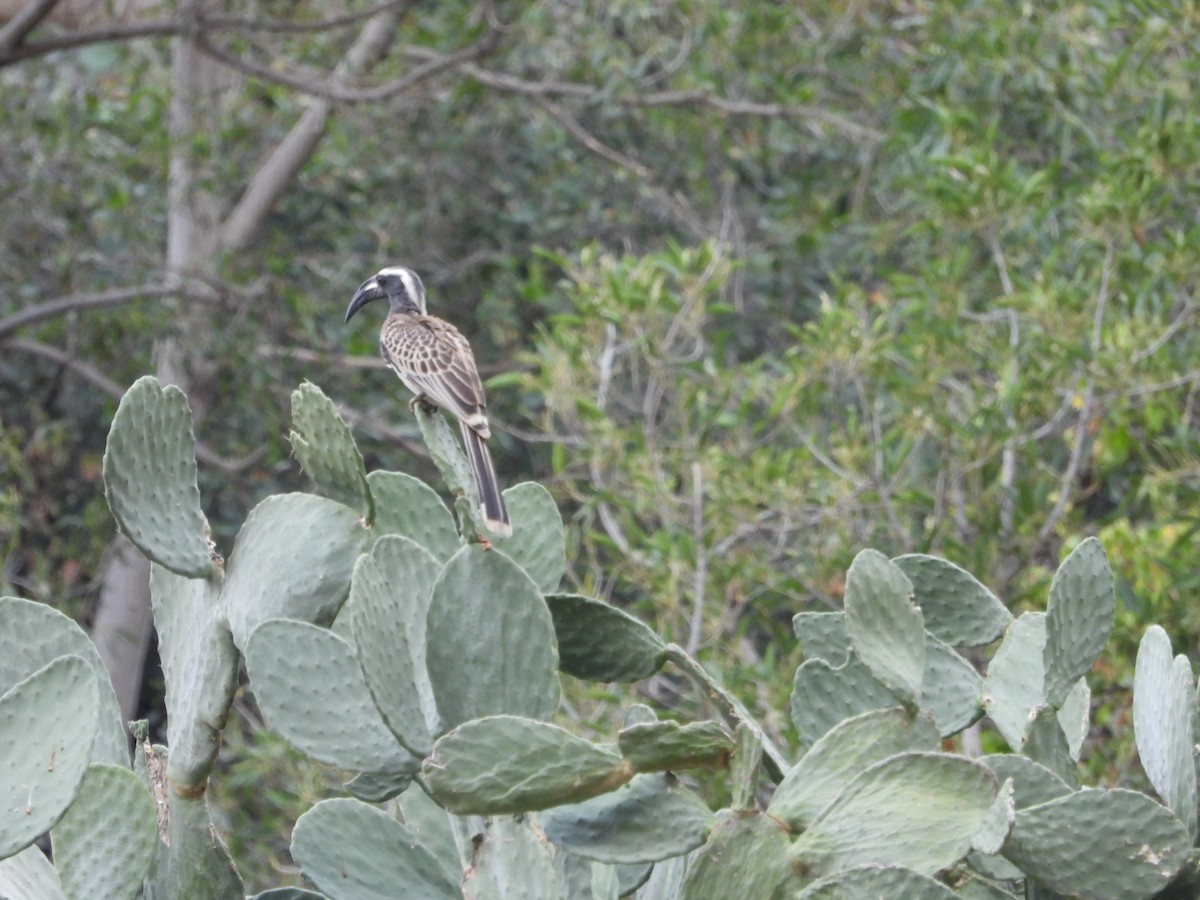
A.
pixel 115 297
pixel 294 151
pixel 1085 409
pixel 277 26
pixel 315 85
pixel 1189 307
pixel 12 34
pixel 75 39
pixel 701 577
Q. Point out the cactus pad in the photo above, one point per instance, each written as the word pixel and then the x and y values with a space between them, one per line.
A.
pixel 326 450
pixel 150 478
pixel 510 861
pixel 625 825
pixel 292 559
pixel 537 543
pixel 877 881
pixel 885 628
pixel 296 668
pixel 490 646
pixel 745 856
pixel 353 851
pixel 661 746
pixel 1079 618
pixel 48 722
pixel 823 695
pixel 599 642
pixel 408 506
pixel 105 843
pixel 507 764
pixel 957 608
pixel 29 876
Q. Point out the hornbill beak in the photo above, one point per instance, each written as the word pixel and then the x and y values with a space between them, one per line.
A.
pixel 367 291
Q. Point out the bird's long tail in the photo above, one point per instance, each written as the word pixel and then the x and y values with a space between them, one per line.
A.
pixel 494 512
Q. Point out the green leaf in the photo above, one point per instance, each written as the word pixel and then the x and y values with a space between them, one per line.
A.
pixel 490 640
pixel 507 764
pixel 957 608
pixel 297 669
pixel 326 450
pixel 105 843
pixel 353 851
pixel 843 753
pixel 1045 844
pixel 1079 618
pixel 885 628
pixel 150 478
pixel 823 636
pixel 626 825
pixel 599 642
pixel 659 746
pixel 918 810
pixel 49 722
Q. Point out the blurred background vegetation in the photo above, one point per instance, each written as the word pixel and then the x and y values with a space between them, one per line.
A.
pixel 754 286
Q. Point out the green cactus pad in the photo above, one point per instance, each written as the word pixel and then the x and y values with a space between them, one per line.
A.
pixel 745 856
pixel 1079 618
pixel 29 876
pixel 744 768
pixel 387 653
pixel 200 668
pixel 877 881
pixel 326 450
pixel 823 636
pixel 822 696
pixel 659 746
pixel 450 459
pixel 490 646
pixel 196 863
pixel 352 851
pixel 975 887
pixel 1164 722
pixel 289 893
pixel 49 723
pixel 1075 717
pixel 625 825
pixel 408 506
pixel 884 627
pixel 292 559
pixel 1015 677
pixel 951 689
pixel 430 823
pixel 1033 783
pixel 1109 845
pixel 841 754
pixel 1045 743
pixel 376 787
pixel 957 608
pixel 35 635
pixel 150 478
pixel 105 843
pixel 998 823
pixel 582 879
pixel 538 543
pixel 509 862
pixel 918 810
pixel 507 764
pixel 599 642
pixel 311 690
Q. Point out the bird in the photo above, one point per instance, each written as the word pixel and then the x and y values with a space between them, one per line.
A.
pixel 435 362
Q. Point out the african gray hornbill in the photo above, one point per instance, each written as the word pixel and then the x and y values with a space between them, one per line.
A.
pixel 435 362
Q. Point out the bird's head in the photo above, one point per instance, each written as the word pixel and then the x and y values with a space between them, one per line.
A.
pixel 401 286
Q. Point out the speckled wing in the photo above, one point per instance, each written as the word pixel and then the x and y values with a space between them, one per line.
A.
pixel 435 362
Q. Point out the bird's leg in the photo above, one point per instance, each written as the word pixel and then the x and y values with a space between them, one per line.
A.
pixel 424 402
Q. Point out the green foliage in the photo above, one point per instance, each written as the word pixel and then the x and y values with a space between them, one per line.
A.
pixel 458 726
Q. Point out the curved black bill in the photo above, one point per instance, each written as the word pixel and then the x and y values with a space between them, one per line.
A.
pixel 367 291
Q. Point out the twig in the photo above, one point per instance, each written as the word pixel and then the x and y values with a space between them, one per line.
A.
pixel 93 300
pixel 1085 410
pixel 12 34
pixel 701 575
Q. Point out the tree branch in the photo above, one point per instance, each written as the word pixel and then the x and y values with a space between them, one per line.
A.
pixel 294 151
pixel 12 34
pixel 64 305
pixel 313 85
